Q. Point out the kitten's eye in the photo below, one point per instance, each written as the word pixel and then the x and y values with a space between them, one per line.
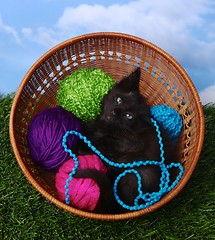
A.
pixel 129 116
pixel 119 100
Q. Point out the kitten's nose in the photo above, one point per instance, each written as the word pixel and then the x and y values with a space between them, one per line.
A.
pixel 115 112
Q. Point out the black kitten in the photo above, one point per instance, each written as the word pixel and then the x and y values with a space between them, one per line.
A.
pixel 124 133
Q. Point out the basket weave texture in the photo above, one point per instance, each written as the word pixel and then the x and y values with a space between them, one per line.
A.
pixel 163 81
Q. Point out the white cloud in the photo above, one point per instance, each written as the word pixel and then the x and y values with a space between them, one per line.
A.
pixel 27 32
pixel 174 14
pixel 9 30
pixel 208 95
pixel 41 35
pixel 169 24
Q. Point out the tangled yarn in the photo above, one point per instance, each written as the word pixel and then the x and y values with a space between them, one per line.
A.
pixel 82 193
pixel 45 134
pixel 149 198
pixel 82 92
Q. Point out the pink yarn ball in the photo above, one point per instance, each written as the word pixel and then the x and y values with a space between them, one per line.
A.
pixel 84 192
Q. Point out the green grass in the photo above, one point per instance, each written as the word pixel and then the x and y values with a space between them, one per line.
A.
pixel 25 214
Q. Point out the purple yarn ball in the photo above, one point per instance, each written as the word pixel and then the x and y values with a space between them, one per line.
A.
pixel 45 133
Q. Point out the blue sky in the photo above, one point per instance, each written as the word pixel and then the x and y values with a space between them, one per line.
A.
pixel 185 29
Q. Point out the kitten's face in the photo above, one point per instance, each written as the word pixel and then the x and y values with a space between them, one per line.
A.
pixel 123 106
pixel 119 108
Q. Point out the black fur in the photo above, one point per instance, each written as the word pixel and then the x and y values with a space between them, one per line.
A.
pixel 124 133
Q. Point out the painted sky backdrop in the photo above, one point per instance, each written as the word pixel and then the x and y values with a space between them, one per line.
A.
pixel 185 29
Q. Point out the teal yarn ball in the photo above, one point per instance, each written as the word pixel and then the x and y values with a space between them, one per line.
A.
pixel 168 118
pixel 82 92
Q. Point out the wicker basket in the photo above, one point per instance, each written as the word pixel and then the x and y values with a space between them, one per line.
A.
pixel 163 80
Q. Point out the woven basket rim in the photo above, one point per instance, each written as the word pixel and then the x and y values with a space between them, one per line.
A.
pixel 57 202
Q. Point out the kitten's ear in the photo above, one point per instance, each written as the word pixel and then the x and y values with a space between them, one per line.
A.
pixel 131 82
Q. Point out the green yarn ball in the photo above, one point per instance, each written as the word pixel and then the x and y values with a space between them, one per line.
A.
pixel 82 92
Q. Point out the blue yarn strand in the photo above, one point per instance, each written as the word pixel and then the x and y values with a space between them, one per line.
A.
pixel 148 198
